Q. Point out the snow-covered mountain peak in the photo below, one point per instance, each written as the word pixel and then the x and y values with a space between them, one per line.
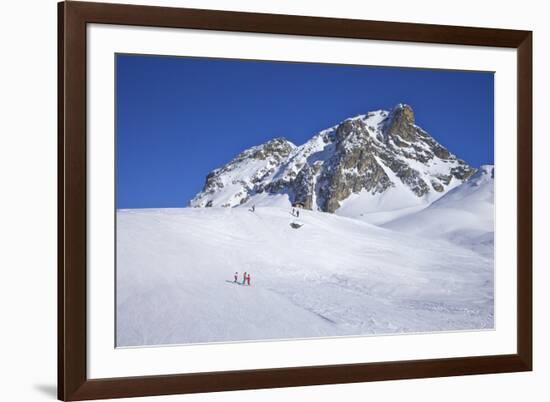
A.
pixel 358 161
pixel 277 147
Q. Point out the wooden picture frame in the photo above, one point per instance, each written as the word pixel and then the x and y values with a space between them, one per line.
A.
pixel 73 382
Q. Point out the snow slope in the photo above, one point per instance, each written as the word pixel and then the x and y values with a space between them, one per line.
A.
pixel 463 216
pixel 334 276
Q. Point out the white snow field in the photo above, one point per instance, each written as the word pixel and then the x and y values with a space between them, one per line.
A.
pixel 463 216
pixel 334 276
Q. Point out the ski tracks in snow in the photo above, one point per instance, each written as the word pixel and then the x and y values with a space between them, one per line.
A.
pixel 335 276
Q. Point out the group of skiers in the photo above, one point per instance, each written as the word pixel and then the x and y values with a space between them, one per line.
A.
pixel 246 278
pixel 295 211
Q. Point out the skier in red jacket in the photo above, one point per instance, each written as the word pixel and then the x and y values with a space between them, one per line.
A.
pixel 248 279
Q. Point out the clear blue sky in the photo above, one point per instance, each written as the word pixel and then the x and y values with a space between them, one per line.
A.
pixel 178 118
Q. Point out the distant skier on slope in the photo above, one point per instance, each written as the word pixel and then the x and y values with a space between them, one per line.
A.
pixel 253 208
pixel 297 213
pixel 244 278
pixel 248 279
pixel 236 276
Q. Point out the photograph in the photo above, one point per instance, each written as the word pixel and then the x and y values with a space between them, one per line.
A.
pixel 266 200
pixel 238 201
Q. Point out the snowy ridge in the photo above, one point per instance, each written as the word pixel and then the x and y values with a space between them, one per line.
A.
pixel 230 185
pixel 463 216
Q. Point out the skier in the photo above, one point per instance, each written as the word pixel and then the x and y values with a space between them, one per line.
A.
pixel 236 277
pixel 248 279
pixel 244 278
pixel 297 213
pixel 253 208
pixel 292 211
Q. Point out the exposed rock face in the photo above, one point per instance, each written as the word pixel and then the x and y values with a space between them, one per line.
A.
pixel 373 154
pixel 401 123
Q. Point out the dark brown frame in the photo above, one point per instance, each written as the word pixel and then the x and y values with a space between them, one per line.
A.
pixel 73 383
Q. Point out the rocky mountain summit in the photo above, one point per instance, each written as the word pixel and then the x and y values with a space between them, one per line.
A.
pixel 372 157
